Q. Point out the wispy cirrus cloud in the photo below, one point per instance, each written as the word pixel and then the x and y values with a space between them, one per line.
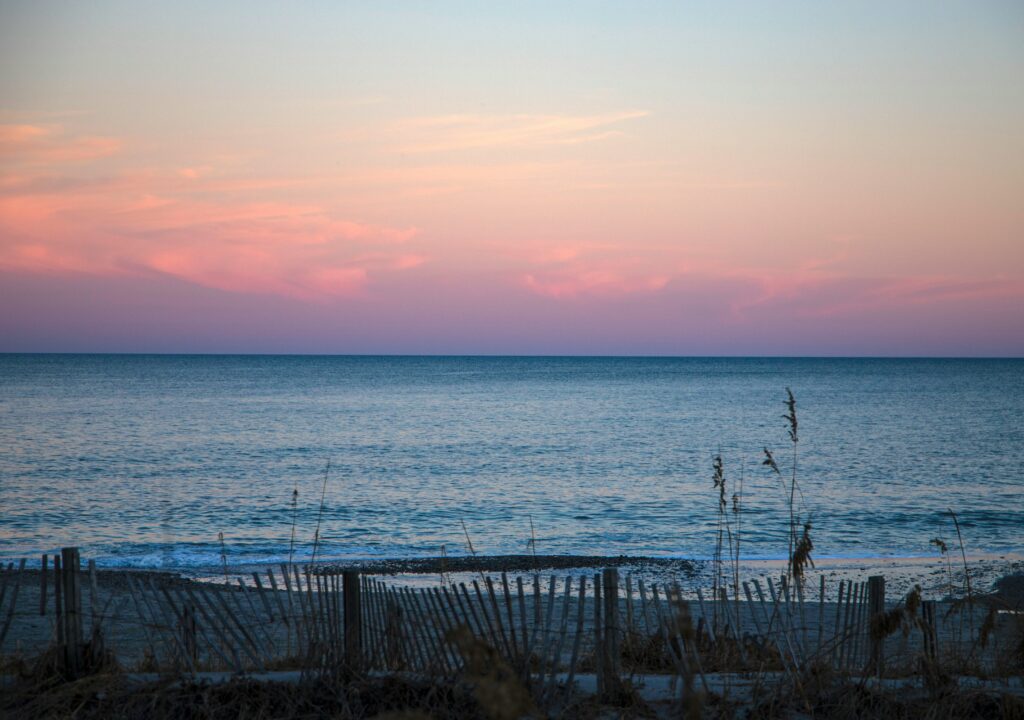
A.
pixel 447 133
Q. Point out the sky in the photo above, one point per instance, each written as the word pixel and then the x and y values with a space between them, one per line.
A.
pixel 633 178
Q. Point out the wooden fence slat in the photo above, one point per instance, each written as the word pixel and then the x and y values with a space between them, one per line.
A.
pixel 384 621
pixel 683 645
pixel 753 611
pixel 577 640
pixel 643 607
pixel 514 657
pixel 392 649
pixel 181 623
pixel 173 621
pixel 373 635
pixel 768 618
pixel 263 596
pixel 459 618
pixel 497 620
pixel 836 641
pixel 201 628
pixel 468 614
pixel 708 623
pixel 609 650
pixel 544 640
pixel 294 621
pixel 732 619
pixel 554 658
pixel 667 633
pixel 844 636
pixel 419 627
pixel 353 621
pixel 858 636
pixel 261 639
pixel 538 615
pixel 431 630
pixel 523 629
pixel 71 567
pixel 309 620
pixel 446 624
pixel 229 618
pixel 409 627
pixel 494 642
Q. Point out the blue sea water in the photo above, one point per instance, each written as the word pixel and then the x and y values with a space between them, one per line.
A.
pixel 146 460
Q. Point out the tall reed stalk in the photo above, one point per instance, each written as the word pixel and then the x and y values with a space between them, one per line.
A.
pixel 295 517
pixel 967 573
pixel 223 555
pixel 790 417
pixel 469 546
pixel 533 544
pixel 320 515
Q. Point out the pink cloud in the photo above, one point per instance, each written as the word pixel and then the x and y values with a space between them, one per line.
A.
pixel 285 236
pixel 583 282
pixel 194 173
pixel 171 224
pixel 554 254
pixel 814 289
pixel 39 144
pixel 811 294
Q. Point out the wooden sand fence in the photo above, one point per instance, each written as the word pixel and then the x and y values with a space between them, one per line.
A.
pixel 545 630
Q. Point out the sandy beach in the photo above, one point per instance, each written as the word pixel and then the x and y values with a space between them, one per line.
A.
pixel 998 579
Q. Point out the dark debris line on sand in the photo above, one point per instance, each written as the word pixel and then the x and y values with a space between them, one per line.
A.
pixel 518 563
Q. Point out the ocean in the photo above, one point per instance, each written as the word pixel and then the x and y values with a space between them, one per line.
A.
pixel 184 462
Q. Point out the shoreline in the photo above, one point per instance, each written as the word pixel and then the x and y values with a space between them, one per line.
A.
pixel 933 574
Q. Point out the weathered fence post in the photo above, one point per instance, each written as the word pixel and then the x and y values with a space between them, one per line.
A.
pixel 72 615
pixel 610 654
pixel 876 608
pixel 5 625
pixel 598 635
pixel 353 626
pixel 928 616
pixel 43 573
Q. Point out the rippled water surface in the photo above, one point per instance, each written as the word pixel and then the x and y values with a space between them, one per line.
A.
pixel 143 460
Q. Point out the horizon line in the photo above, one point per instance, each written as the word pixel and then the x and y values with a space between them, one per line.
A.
pixel 524 356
